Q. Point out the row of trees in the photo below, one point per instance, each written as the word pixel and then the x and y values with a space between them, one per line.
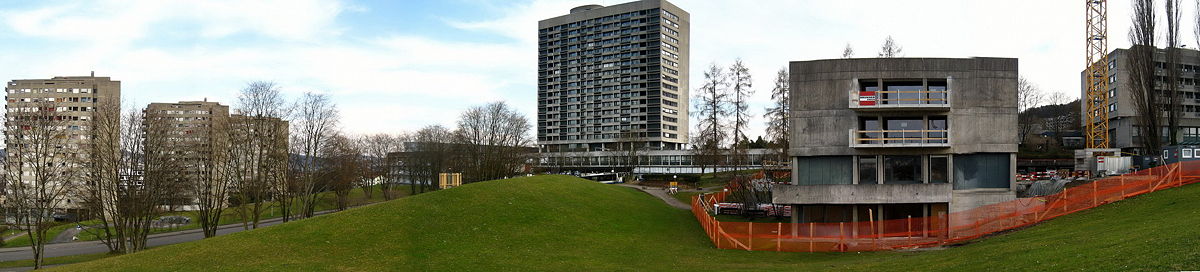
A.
pixel 127 168
pixel 1152 104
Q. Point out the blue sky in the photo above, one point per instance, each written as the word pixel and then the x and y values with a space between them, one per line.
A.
pixel 395 66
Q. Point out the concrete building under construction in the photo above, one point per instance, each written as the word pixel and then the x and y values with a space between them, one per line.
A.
pixel 895 137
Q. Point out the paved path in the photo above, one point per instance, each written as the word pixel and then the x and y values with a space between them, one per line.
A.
pixel 93 247
pixel 66 236
pixel 661 193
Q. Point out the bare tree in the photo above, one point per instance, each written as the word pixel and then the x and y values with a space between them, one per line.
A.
pixel 848 52
pixel 258 151
pixel 428 155
pixel 1142 76
pixel 117 191
pixel 777 115
pixel 42 169
pixel 1173 83
pixel 1028 96
pixel 741 88
pixel 712 110
pixel 494 136
pixel 316 121
pixel 203 183
pixel 1057 98
pixel 375 148
pixel 890 49
pixel 342 168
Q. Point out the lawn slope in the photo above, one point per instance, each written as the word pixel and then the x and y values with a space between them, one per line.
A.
pixel 563 223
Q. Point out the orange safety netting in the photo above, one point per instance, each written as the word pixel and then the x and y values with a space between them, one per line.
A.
pixel 935 230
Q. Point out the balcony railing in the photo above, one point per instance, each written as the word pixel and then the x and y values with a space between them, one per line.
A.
pixel 900 138
pixel 937 99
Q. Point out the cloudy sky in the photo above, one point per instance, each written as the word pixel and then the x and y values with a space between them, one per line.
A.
pixel 399 65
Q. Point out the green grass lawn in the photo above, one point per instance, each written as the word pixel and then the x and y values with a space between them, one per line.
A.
pixel 327 201
pixel 57 260
pixel 23 240
pixel 559 223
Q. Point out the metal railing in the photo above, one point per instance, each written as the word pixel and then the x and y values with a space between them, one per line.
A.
pixel 901 98
pixel 899 137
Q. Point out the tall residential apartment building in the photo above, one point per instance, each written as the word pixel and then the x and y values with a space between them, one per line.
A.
pixel 259 150
pixel 1122 113
pixel 611 76
pixel 188 141
pixel 50 122
pixel 890 138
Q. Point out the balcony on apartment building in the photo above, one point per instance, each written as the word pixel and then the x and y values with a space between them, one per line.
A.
pixel 901 131
pixel 906 94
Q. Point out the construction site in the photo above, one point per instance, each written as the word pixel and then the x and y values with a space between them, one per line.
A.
pixel 896 153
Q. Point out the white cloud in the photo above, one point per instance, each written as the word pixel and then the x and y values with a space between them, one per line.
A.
pixel 403 81
pixel 129 21
pixel 391 83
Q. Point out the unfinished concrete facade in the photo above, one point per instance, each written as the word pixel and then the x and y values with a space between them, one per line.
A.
pixel 891 138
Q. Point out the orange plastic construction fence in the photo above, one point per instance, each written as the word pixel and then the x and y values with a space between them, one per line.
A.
pixel 938 229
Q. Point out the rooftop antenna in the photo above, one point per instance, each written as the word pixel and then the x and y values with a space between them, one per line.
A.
pixel 93 73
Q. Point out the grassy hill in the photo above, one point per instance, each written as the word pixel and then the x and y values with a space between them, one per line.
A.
pixel 564 223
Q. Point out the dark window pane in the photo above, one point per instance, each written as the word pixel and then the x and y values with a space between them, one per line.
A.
pixel 938 169
pixel 824 170
pixel 867 170
pixel 902 169
pixel 868 85
pixel 937 123
pixel 984 170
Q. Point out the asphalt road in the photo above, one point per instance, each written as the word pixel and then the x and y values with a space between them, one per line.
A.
pixel 93 247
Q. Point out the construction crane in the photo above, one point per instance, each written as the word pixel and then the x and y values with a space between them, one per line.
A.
pixel 1097 74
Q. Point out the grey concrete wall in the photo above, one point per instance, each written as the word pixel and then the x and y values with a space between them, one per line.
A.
pixel 982 112
pixel 963 200
pixel 861 194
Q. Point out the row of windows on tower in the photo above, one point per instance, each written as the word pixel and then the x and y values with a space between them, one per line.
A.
pixel 602 20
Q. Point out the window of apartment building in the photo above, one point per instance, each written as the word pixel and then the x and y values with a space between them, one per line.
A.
pixel 937 129
pixel 902 169
pixel 937 92
pixel 868 170
pixel 824 170
pixel 939 169
pixel 868 85
pixel 902 92
pixel 902 129
pixel 870 125
pixel 982 170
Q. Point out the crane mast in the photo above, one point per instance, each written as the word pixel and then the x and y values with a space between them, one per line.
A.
pixel 1096 76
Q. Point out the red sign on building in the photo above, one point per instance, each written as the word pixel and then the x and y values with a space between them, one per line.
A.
pixel 866 98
